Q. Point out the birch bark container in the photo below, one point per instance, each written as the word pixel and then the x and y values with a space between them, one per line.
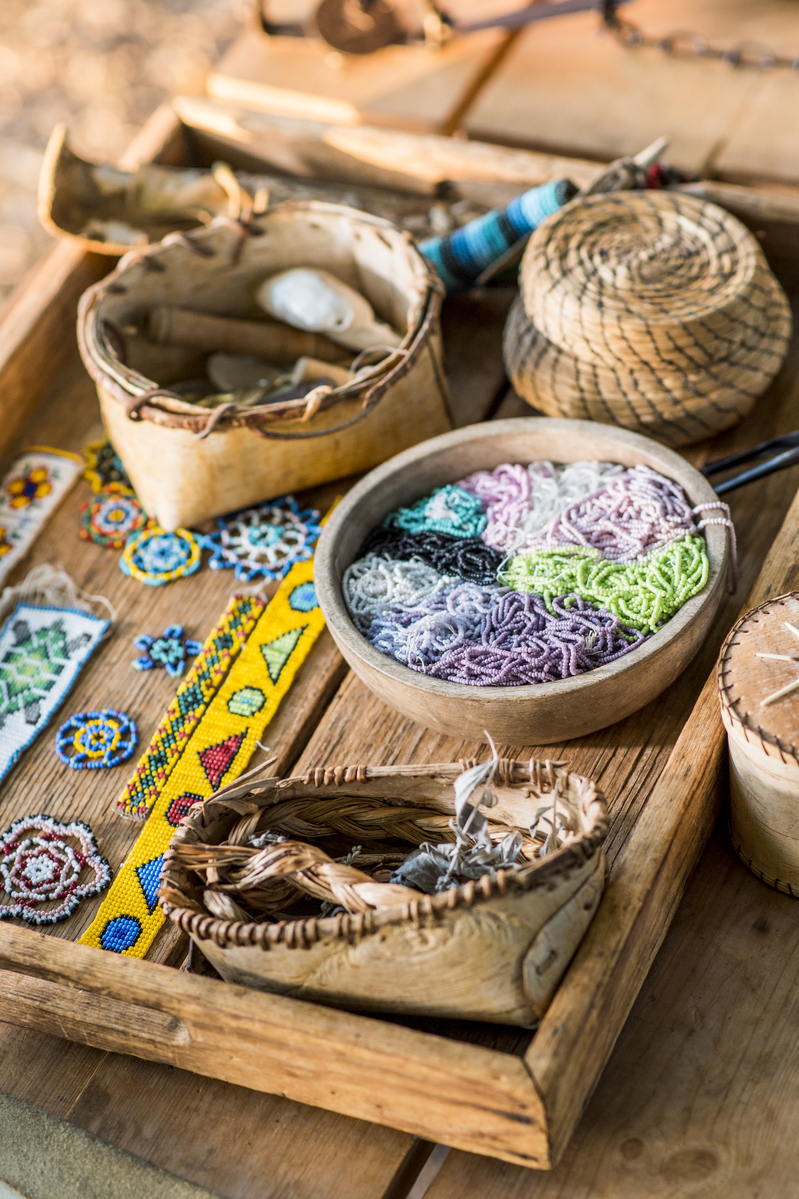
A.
pixel 763 739
pixel 189 463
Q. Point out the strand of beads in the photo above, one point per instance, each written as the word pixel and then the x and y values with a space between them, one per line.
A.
pixel 440 622
pixel 467 557
pixel 521 501
pixel 642 594
pixel 635 514
pixel 448 509
pixel 373 583
pixel 522 641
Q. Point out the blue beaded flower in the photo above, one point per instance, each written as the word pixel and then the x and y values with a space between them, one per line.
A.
pixel 264 541
pixel 171 651
pixel 156 557
pixel 94 740
pixel 448 509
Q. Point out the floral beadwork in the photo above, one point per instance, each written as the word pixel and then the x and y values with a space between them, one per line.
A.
pixel 156 557
pixel 265 541
pixel 171 651
pixel 103 466
pixel 29 494
pixel 113 517
pixel 33 485
pixel 42 864
pixel 96 740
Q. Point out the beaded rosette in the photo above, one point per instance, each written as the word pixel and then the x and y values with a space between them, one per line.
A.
pixel 529 574
pixel 170 651
pixel 112 517
pixel 156 557
pixel 103 466
pixel 265 541
pixel 96 740
pixel 47 868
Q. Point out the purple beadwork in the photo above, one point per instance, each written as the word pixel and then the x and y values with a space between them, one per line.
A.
pixel 636 514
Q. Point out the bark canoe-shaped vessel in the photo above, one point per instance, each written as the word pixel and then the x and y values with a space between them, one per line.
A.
pixel 493 949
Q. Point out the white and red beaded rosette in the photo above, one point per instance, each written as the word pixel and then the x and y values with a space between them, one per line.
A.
pixel 47 868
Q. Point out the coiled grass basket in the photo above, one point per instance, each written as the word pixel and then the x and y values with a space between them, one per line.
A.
pixel 652 310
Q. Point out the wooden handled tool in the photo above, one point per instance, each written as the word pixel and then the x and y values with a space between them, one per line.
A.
pixel 273 341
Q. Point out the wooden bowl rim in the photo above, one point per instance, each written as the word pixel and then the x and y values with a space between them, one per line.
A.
pixel 355 645
pixel 301 933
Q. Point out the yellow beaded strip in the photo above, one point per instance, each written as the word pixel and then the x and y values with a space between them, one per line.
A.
pixel 216 752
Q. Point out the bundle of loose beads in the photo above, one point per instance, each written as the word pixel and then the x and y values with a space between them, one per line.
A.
pixel 523 643
pixel 635 514
pixel 467 557
pixel 642 594
pixel 96 740
pixel 521 501
pixel 573 566
pixel 373 583
pixel 439 623
pixel 448 509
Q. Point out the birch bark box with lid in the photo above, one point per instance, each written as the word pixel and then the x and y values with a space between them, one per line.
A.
pixel 758 664
pixel 189 463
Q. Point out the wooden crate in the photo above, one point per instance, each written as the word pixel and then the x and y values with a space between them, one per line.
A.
pixel 500 1092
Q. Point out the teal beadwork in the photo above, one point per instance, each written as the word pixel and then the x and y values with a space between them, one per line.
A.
pixel 448 509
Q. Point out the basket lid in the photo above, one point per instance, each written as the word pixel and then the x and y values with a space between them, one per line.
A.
pixel 760 694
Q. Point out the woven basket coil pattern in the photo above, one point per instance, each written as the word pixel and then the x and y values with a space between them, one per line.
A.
pixel 651 310
pixel 313 806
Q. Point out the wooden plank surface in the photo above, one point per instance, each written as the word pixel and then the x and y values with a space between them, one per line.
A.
pixel 407 87
pixel 566 87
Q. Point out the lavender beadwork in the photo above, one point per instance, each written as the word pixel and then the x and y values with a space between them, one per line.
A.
pixel 170 651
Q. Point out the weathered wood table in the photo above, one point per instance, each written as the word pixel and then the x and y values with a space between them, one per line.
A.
pixel 698 1095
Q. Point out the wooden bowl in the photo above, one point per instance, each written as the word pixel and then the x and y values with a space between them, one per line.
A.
pixel 538 714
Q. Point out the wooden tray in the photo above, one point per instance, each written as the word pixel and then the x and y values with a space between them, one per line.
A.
pixel 494 1091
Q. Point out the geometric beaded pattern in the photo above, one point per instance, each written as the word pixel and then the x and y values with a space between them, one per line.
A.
pixel 192 698
pixel 112 517
pixel 42 651
pixel 29 494
pixel 217 751
pixel 95 740
pixel 47 868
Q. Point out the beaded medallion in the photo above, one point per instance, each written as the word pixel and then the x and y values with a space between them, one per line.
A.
pixel 170 651
pixel 103 466
pixel 265 541
pixel 47 868
pixel 112 517
pixel 96 740
pixel 29 494
pixel 156 557
pixel 42 651
pixel 228 706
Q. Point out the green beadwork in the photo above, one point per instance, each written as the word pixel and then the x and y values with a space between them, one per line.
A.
pixel 642 594
pixel 30 669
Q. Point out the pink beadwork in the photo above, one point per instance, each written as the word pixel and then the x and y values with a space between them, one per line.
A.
pixel 46 869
